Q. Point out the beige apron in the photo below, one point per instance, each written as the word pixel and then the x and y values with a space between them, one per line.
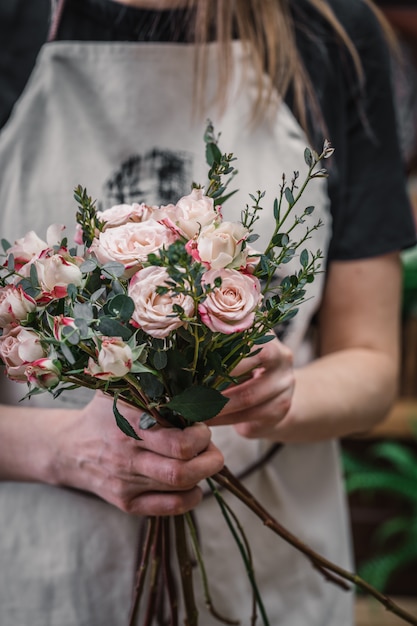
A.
pixel 117 118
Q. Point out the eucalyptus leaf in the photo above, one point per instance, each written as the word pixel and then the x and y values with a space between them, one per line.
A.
pixel 121 306
pixel 112 328
pixel 160 360
pixel 5 244
pixel 308 157
pixel 72 335
pixel 289 196
pixel 304 258
pixel 67 354
pixel 113 269
pixel 89 265
pixel 83 311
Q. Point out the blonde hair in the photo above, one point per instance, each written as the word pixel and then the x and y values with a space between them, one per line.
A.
pixel 266 27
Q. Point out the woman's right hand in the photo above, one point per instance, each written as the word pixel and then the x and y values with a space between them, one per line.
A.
pixel 155 476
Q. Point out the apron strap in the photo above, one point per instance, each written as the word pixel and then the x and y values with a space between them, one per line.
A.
pixel 57 9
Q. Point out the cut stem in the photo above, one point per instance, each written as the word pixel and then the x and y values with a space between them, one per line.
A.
pixel 329 570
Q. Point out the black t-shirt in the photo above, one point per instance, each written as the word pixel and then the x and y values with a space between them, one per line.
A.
pixel 369 203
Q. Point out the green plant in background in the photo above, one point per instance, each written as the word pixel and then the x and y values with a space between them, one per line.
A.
pixel 409 266
pixel 390 468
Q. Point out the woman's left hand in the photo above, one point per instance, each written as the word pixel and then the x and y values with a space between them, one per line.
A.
pixel 257 405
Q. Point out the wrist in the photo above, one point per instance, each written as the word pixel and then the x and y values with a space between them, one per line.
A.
pixel 29 443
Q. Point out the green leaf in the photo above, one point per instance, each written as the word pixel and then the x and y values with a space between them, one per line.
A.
pixel 289 196
pixel 67 354
pixel 308 157
pixel 122 422
pixel 34 276
pixel 5 244
pixel 154 388
pixel 72 335
pixel 112 328
pixel 304 258
pixel 121 306
pixel 280 239
pixel 82 326
pixel 160 360
pixel 401 457
pixel 198 403
pixel 264 339
pixel 113 269
pixel 83 311
pixel 276 210
pixel 213 154
pixel 88 266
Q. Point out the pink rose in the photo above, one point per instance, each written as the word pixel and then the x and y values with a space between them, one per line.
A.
pixel 124 213
pixel 190 214
pixel 15 305
pixel 221 246
pixel 131 243
pixel 231 307
pixel 153 312
pixel 114 359
pixel 43 373
pixel 19 347
pixel 26 248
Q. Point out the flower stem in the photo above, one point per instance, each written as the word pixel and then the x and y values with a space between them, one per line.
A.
pixel 242 546
pixel 207 595
pixel 329 570
pixel 185 566
pixel 154 574
pixel 142 569
pixel 166 567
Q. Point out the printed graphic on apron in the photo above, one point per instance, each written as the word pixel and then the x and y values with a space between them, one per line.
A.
pixel 157 177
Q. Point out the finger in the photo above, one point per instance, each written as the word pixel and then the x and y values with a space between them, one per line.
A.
pixel 175 443
pixel 165 504
pixel 164 473
pixel 270 355
pixel 248 399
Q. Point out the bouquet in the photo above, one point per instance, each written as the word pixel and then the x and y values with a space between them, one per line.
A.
pixel 156 306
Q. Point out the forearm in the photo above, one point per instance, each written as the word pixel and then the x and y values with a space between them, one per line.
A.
pixel 341 393
pixel 26 443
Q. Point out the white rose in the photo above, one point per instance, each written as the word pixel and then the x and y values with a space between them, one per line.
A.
pixel 26 248
pixel 222 246
pixel 131 243
pixel 18 348
pixel 153 312
pixel 114 359
pixel 15 305
pixel 55 273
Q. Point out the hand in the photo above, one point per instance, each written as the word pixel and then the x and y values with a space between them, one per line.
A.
pixel 155 476
pixel 259 404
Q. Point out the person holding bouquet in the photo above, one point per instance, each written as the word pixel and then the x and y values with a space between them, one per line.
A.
pixel 117 102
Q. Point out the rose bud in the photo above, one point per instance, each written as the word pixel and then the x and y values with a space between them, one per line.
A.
pixel 114 359
pixel 43 373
